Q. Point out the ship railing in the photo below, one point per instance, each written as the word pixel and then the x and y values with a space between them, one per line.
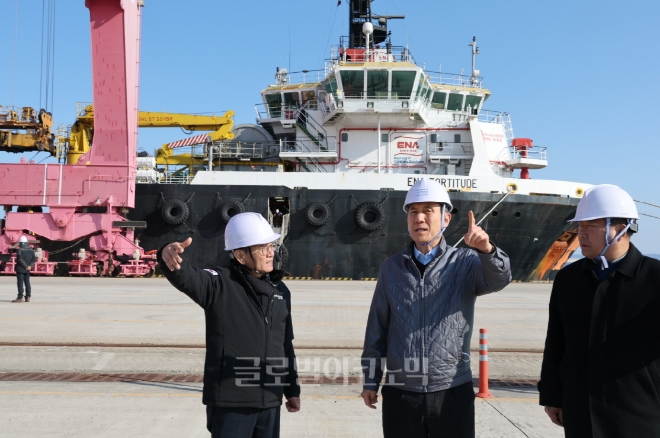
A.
pixel 381 53
pixel 500 117
pixel 288 112
pixel 459 80
pixel 174 178
pixel 303 77
pixel 240 149
pixel 532 153
pixel 447 149
pixel 309 148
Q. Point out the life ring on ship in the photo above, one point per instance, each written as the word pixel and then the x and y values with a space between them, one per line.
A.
pixel 317 214
pixel 175 212
pixel 579 192
pixel 230 209
pixel 370 216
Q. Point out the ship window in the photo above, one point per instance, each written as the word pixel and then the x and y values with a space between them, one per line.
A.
pixel 309 99
pixel 352 81
pixel 377 84
pixel 291 100
pixel 455 102
pixel 344 137
pixel 457 138
pixel 402 84
pixel 274 105
pixel 331 85
pixel 439 99
pixel 473 102
pixel 384 138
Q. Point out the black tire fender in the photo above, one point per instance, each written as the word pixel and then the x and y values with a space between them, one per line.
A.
pixel 370 216
pixel 175 212
pixel 230 209
pixel 317 214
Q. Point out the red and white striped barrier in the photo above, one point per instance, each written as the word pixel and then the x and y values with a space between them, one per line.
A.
pixel 483 365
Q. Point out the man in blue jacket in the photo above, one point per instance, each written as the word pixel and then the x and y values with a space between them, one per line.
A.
pixel 250 361
pixel 421 321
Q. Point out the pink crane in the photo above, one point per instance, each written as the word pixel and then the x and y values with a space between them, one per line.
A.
pixel 89 198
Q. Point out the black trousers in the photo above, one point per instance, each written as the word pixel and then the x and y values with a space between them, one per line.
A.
pixel 448 413
pixel 24 279
pixel 243 422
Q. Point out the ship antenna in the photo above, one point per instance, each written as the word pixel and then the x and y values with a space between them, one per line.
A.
pixel 475 52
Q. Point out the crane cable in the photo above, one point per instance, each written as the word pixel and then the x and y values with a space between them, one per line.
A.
pixel 652 205
pixel 13 85
pixel 47 45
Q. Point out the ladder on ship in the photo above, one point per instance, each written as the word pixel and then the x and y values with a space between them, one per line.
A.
pixel 313 162
pixel 311 127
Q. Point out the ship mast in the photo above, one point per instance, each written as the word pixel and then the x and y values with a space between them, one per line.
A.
pixel 475 51
pixel 359 13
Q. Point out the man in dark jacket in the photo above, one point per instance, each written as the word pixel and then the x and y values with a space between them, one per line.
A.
pixel 421 320
pixel 25 259
pixel 600 376
pixel 250 361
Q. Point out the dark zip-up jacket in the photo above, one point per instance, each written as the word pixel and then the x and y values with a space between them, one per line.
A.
pixel 250 361
pixel 24 258
pixel 423 325
pixel 601 362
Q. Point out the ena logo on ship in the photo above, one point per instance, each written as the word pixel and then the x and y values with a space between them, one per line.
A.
pixel 450 183
pixel 407 145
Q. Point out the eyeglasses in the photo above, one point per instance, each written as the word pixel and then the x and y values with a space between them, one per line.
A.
pixel 264 250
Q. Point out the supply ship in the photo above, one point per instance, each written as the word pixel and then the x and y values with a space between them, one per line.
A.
pixel 334 152
pixel 328 162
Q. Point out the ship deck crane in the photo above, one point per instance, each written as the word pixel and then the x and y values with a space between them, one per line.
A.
pixel 80 139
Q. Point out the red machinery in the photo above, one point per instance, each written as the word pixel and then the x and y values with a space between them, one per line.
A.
pixel 89 198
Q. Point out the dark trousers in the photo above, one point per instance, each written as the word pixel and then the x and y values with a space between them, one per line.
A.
pixel 448 413
pixel 24 279
pixel 243 422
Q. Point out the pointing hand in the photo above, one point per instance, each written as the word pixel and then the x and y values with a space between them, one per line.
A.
pixel 476 237
pixel 171 253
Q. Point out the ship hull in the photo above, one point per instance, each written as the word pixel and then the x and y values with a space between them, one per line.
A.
pixel 524 226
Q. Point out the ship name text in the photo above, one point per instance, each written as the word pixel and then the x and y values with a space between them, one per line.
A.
pixel 450 183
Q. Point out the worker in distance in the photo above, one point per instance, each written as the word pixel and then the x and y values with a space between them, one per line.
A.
pixel 250 360
pixel 25 259
pixel 600 375
pixel 421 321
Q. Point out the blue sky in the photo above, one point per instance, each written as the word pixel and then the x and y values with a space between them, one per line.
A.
pixel 580 78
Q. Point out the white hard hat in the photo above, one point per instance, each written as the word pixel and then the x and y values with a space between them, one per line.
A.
pixel 22 239
pixel 605 201
pixel 427 190
pixel 247 229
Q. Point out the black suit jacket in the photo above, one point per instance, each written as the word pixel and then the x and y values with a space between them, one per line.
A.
pixel 601 363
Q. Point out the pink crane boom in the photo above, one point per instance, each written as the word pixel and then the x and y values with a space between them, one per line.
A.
pixel 89 197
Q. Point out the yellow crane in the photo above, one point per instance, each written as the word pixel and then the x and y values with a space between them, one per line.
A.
pixel 37 135
pixel 220 127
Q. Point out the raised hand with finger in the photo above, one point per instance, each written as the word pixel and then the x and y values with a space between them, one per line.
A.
pixel 171 253
pixel 476 237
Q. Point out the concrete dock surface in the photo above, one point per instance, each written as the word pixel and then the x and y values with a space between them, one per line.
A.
pixel 109 326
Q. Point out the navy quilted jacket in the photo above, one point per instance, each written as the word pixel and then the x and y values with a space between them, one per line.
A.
pixel 419 329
